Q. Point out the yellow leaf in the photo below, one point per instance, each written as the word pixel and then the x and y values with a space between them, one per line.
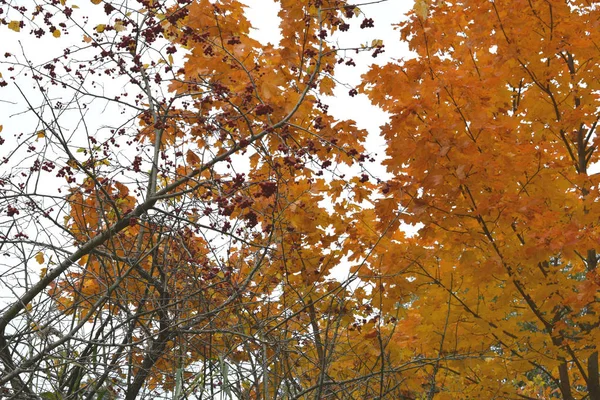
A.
pixel 41 134
pixel 39 257
pixel 171 59
pixel 421 8
pixel 74 6
pixel 327 84
pixel 100 28
pixel 102 162
pixel 1 127
pixel 73 164
pixel 15 26
pixel 119 26
pixel 56 33
pixel 96 1
pixel 43 272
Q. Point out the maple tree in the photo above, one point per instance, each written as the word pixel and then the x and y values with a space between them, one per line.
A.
pixel 492 145
pixel 171 218
pixel 166 229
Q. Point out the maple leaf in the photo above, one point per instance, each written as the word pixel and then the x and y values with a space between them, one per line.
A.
pixel 39 257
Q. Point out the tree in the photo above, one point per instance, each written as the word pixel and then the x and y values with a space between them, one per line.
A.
pixel 166 227
pixel 177 195
pixel 492 146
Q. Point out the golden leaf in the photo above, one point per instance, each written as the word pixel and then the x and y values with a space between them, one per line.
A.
pixel 39 257
pixel 421 8
pixel 72 163
pixel 327 84
pixel 119 26
pixel 56 33
pixel 15 26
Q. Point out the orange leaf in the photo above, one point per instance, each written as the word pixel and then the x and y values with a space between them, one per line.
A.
pixel 192 159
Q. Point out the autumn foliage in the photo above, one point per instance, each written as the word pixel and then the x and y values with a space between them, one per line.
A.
pixel 491 142
pixel 185 246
